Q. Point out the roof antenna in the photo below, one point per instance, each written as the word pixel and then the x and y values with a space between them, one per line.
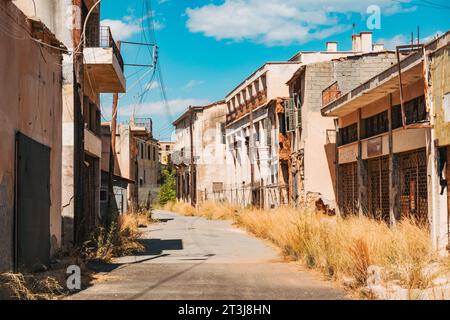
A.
pixel 354 28
pixel 418 35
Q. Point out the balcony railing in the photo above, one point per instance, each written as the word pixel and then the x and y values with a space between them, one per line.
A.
pixel 102 38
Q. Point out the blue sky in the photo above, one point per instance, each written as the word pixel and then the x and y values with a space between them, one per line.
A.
pixel 207 47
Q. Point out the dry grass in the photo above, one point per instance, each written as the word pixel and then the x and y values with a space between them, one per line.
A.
pixel 16 286
pixel 209 210
pixel 120 239
pixel 338 247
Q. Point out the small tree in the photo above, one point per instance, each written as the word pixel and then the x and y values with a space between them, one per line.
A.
pixel 167 192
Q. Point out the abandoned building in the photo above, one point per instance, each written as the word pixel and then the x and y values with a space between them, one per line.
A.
pixel 311 136
pixel 30 127
pixel 262 161
pixel 119 203
pixel 165 150
pixel 393 137
pixel 94 66
pixel 147 161
pixel 254 121
pixel 199 153
pixel 136 166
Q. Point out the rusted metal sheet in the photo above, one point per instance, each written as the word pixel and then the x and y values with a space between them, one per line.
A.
pixel 330 94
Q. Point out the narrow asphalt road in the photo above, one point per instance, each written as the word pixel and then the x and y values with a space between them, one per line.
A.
pixel 191 258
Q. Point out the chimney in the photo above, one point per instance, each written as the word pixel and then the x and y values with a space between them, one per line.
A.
pixel 366 41
pixel 356 43
pixel 378 47
pixel 331 46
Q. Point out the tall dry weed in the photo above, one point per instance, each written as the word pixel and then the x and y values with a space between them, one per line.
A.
pixel 339 247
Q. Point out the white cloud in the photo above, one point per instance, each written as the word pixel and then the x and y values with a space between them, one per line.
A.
pixel 400 39
pixel 391 43
pixel 431 36
pixel 193 83
pixel 280 22
pixel 122 30
pixel 129 25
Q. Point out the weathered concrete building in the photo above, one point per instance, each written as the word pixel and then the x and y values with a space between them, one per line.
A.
pixel 136 165
pixel 311 136
pixel 199 153
pixel 93 66
pixel 393 140
pixel 31 139
pixel 254 125
pixel 119 184
pixel 165 150
pixel 261 162
pixel 147 162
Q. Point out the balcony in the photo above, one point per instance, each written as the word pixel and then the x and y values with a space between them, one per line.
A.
pixel 144 123
pixel 103 62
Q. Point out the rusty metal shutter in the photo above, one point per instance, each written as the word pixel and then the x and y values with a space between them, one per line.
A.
pixel 348 191
pixel 378 188
pixel 413 185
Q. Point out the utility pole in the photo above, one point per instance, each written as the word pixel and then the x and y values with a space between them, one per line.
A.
pixel 251 145
pixel 193 171
pixel 112 152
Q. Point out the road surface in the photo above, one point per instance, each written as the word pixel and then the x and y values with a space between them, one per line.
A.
pixel 191 258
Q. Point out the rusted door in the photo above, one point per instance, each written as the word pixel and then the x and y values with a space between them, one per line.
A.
pixel 32 196
pixel 413 185
pixel 378 188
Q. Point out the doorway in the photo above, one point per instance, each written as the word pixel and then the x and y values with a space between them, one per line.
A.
pixel 32 204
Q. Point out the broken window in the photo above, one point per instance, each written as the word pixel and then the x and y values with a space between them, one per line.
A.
pixel 268 126
pixel 289 112
pixel 376 124
pixel 222 133
pixel 415 112
pixel 349 134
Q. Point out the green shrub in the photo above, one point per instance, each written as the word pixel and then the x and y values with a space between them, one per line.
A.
pixel 167 192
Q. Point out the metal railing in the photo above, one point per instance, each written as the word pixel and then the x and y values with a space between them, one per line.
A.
pixel 102 38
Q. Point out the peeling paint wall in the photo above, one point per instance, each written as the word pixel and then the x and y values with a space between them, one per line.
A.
pixel 31 104
pixel 210 149
pixel 440 69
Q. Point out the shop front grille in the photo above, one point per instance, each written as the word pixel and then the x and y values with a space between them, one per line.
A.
pixel 378 188
pixel 349 188
pixel 413 185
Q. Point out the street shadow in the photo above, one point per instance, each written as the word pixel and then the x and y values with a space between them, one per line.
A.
pixel 155 247
pixel 163 220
